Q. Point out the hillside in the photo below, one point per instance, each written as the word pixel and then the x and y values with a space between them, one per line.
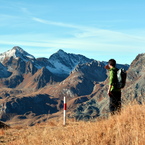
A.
pixel 31 88
pixel 134 90
pixel 124 129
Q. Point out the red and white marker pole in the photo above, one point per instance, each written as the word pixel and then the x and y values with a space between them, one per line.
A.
pixel 64 112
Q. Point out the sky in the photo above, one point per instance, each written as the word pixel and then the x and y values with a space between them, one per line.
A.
pixel 98 29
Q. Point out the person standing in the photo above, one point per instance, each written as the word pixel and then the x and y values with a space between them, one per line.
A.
pixel 113 92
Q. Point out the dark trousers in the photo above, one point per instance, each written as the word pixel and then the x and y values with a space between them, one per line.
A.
pixel 115 101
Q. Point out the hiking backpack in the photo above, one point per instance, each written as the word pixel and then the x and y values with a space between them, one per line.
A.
pixel 121 78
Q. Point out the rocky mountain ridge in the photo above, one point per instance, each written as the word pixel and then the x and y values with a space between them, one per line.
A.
pixel 134 91
pixel 24 78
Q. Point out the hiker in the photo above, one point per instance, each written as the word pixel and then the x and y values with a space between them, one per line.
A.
pixel 113 92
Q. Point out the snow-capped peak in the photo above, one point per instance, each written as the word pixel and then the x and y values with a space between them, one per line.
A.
pixel 59 53
pixel 17 48
pixel 16 52
pixel 64 63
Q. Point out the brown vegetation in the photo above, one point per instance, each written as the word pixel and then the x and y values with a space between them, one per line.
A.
pixel 127 128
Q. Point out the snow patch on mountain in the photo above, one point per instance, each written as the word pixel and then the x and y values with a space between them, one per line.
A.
pixel 59 68
pixel 59 63
pixel 16 52
pixel 63 63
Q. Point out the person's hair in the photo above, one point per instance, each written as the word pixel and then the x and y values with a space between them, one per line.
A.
pixel 112 62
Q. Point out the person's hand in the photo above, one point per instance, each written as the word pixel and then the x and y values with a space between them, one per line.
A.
pixel 106 67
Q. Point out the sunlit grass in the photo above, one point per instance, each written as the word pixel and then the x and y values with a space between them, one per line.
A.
pixel 127 128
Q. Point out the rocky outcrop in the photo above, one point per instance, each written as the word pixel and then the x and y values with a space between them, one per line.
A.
pixel 13 81
pixel 36 105
pixel 97 106
pixel 135 89
pixel 84 77
pixel 93 70
pixel 42 77
pixel 4 73
pixel 137 68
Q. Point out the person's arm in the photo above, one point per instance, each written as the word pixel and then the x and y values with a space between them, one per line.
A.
pixel 109 90
pixel 110 82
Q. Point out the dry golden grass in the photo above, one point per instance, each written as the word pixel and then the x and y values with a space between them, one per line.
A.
pixel 128 128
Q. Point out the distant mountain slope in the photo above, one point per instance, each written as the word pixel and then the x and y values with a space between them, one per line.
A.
pixel 62 62
pixel 28 105
pixel 3 71
pixel 23 78
pixel 134 90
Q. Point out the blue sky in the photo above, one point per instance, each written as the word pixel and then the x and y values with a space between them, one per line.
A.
pixel 97 29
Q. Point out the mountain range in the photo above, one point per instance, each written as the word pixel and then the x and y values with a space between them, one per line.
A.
pixel 31 88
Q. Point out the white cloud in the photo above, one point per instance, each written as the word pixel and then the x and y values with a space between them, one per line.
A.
pixel 84 39
pixel 86 32
pixel 7 17
pixel 54 23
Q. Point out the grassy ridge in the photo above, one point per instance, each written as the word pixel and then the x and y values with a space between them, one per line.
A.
pixel 128 128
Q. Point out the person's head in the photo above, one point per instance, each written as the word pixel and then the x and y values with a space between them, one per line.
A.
pixel 112 63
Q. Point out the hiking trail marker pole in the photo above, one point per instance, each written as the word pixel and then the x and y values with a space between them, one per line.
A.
pixel 64 111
